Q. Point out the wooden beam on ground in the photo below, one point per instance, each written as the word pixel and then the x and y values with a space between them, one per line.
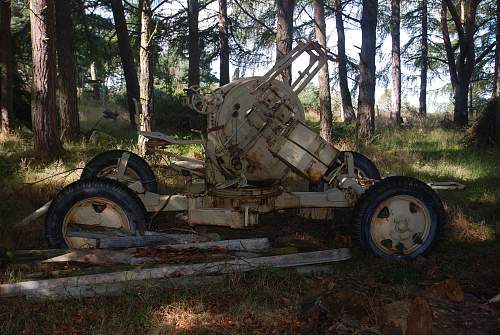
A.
pixel 33 216
pixel 115 289
pixel 221 267
pixel 109 239
pixel 495 299
pixel 128 256
pixel 38 254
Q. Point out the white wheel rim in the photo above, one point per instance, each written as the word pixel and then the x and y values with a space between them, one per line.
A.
pixel 95 212
pixel 400 225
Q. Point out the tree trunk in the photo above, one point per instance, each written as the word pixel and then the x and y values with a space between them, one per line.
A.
pixel 127 58
pixel 396 61
pixel 43 100
pixel 194 43
pixel 224 43
pixel 325 101
pixel 96 84
pixel 284 35
pixel 461 97
pixel 345 94
pixel 462 67
pixel 496 85
pixel 496 90
pixel 424 61
pixel 366 99
pixel 68 104
pixel 496 80
pixel 471 102
pixel 6 67
pixel 146 75
pixel 450 56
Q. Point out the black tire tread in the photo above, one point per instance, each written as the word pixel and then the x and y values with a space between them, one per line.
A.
pixel 362 162
pixel 135 162
pixel 76 191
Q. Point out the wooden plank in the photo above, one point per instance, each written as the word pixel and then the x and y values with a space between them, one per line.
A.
pixel 149 240
pixel 102 256
pixel 107 240
pixel 495 299
pixel 238 265
pixel 249 244
pixel 33 216
pixel 114 289
pixel 38 254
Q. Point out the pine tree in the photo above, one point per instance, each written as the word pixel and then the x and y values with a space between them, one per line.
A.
pixel 367 80
pixel 6 67
pixel 43 102
pixel 146 74
pixel 126 57
pixel 325 100
pixel 284 34
pixel 66 86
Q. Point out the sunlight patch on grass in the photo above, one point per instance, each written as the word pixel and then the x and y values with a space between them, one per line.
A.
pixel 181 317
pixel 462 228
pixel 443 168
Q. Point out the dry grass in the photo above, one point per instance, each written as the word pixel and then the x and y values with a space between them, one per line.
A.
pixel 462 228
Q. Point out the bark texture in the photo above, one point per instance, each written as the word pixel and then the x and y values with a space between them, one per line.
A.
pixel 325 100
pixel 126 57
pixel 284 34
pixel 194 43
pixel 396 61
pixel 366 99
pixel 6 67
pixel 460 67
pixel 43 100
pixel 224 43
pixel 497 74
pixel 347 108
pixel 146 74
pixel 424 60
pixel 496 81
pixel 66 85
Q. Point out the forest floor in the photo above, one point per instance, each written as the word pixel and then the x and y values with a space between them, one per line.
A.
pixel 364 295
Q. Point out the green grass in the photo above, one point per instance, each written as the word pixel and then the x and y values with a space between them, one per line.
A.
pixel 266 302
pixel 432 155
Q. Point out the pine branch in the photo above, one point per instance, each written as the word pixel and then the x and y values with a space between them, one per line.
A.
pixel 485 53
pixel 253 17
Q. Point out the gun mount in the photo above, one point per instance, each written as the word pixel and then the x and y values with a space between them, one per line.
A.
pixel 256 133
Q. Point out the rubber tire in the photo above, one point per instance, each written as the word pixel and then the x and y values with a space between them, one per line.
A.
pixel 95 187
pixel 386 188
pixel 136 163
pixel 361 162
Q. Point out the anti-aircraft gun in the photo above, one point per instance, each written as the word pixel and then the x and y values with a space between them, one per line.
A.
pixel 256 133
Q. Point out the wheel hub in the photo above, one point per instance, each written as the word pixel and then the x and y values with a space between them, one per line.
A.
pixel 93 214
pixel 400 225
